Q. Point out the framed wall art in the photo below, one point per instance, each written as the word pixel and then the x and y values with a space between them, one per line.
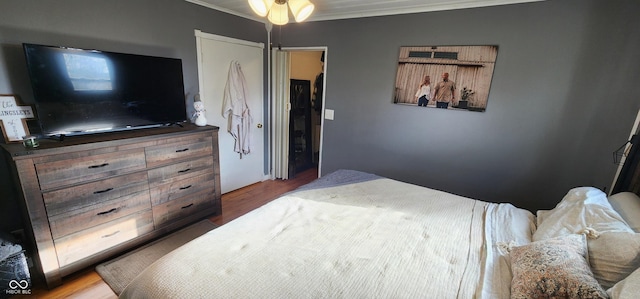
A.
pixel 448 77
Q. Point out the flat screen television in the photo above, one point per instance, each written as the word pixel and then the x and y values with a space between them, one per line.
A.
pixel 82 91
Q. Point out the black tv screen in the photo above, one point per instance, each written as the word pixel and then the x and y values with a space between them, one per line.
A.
pixel 80 91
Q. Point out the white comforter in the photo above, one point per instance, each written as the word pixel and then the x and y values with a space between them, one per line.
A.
pixel 375 239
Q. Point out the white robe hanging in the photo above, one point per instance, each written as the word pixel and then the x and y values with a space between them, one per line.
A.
pixel 236 110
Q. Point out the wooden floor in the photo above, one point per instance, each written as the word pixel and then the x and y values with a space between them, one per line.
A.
pixel 88 284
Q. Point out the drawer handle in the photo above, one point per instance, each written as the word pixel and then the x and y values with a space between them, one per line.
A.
pixel 185 187
pixel 111 234
pixel 182 150
pixel 103 191
pixel 184 170
pixel 98 166
pixel 107 212
pixel 187 206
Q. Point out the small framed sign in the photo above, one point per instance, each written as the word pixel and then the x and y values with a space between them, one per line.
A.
pixel 13 118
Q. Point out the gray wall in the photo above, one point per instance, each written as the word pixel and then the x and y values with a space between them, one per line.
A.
pixel 562 99
pixel 148 27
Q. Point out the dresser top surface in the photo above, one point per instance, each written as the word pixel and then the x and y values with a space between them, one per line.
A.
pixel 48 146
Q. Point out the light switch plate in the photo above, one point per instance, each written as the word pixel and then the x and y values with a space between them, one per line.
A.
pixel 328 114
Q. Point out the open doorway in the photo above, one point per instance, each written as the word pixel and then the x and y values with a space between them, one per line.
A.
pixel 306 90
pixel 299 85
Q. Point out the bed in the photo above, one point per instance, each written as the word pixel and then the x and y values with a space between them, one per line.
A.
pixel 351 234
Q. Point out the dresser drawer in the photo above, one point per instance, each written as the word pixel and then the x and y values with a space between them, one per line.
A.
pixel 177 189
pixel 183 207
pixel 176 149
pixel 63 172
pixel 83 244
pixel 180 171
pixel 82 196
pixel 89 216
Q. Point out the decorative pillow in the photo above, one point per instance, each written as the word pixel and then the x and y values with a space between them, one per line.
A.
pixel 581 208
pixel 629 288
pixel 553 268
pixel 627 204
pixel 613 256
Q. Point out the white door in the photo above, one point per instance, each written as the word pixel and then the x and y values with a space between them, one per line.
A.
pixel 215 55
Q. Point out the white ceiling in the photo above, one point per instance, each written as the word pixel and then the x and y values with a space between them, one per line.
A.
pixel 347 9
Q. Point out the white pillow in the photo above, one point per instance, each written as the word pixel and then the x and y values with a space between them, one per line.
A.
pixel 540 216
pixel 613 256
pixel 629 288
pixel 581 208
pixel 627 204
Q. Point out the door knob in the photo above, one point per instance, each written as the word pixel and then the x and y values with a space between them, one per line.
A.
pixel 259 126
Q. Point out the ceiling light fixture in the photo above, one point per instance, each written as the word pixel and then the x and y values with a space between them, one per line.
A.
pixel 277 11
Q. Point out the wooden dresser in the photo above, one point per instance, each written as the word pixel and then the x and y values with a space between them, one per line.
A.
pixel 88 198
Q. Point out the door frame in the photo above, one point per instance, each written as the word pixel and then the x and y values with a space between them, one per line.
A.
pixel 274 83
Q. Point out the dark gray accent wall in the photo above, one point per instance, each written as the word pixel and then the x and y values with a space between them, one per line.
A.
pixel 562 99
pixel 563 95
pixel 147 27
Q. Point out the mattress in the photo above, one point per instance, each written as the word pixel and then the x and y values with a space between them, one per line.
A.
pixel 348 235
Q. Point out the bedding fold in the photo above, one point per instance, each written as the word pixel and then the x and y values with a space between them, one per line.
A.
pixel 506 226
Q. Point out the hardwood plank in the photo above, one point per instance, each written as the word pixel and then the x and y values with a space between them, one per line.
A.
pixel 84 284
pixel 88 284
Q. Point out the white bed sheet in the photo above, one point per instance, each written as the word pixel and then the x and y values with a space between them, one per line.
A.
pixel 374 239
